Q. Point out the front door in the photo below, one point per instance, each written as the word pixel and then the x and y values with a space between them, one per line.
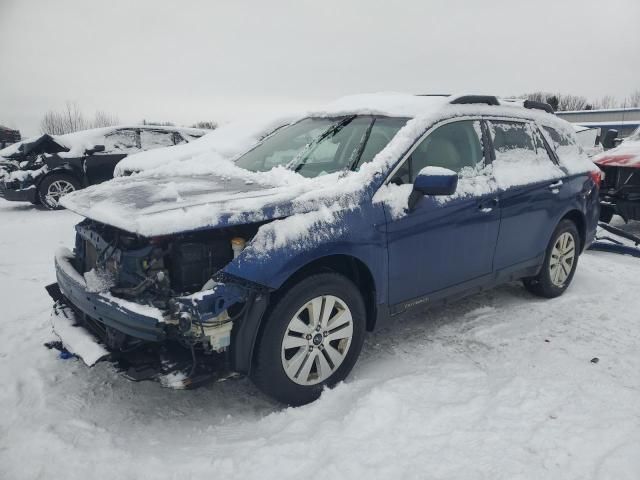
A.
pixel 444 241
pixel 117 145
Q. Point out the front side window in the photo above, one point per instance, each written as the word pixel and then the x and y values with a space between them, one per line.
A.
pixel 121 141
pixel 455 145
pixel 318 146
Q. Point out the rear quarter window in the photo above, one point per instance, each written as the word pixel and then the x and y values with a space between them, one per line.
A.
pixel 521 156
pixel 562 142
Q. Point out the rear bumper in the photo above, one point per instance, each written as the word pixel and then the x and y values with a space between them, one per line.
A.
pixel 136 320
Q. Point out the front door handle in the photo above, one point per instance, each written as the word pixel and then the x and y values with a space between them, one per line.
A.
pixel 554 187
pixel 487 206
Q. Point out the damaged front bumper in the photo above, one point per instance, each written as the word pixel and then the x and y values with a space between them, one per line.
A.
pixel 163 342
pixel 138 321
pixel 15 193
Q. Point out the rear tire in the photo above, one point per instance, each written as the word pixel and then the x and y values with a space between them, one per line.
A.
pixel 560 262
pixel 55 186
pixel 311 339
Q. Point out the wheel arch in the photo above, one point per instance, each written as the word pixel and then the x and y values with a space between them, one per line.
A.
pixel 578 218
pixel 61 170
pixel 348 266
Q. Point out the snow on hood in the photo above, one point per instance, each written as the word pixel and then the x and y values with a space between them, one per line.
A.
pixel 627 154
pixel 227 141
pixel 207 190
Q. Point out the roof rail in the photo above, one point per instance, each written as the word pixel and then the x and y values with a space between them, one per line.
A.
pixel 538 106
pixel 465 99
pixel 433 94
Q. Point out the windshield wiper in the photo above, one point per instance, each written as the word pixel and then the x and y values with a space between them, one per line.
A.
pixel 299 160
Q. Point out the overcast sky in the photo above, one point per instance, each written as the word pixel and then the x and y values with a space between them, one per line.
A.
pixel 185 61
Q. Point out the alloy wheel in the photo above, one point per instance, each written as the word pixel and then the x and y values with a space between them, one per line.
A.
pixel 317 340
pixel 57 190
pixel 562 259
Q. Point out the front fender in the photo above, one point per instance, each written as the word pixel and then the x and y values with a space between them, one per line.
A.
pixel 283 247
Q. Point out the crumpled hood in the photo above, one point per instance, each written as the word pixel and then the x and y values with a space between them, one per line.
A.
pixel 627 154
pixel 162 205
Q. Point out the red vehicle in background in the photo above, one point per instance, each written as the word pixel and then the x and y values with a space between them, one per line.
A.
pixel 620 191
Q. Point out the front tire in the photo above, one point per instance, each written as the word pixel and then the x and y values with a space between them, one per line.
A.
pixel 311 338
pixel 560 262
pixel 54 187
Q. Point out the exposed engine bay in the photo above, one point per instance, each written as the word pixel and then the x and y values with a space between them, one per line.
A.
pixel 163 272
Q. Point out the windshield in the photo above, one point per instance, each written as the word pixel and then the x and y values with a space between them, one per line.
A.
pixel 635 136
pixel 318 146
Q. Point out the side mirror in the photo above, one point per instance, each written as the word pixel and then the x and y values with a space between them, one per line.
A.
pixel 609 140
pixel 433 181
pixel 95 149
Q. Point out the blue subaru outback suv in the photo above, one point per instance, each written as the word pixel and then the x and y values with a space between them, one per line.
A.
pixel 276 264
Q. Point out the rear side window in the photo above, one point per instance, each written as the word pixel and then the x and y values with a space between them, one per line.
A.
pixel 557 139
pixel 563 143
pixel 455 145
pixel 521 155
pixel 150 139
pixel 512 141
pixel 121 141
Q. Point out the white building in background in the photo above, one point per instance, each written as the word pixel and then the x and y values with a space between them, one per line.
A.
pixel 624 120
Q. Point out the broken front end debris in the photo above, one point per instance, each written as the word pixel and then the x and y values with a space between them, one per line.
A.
pixel 157 308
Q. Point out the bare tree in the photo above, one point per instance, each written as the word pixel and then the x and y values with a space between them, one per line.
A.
pixel 104 119
pixel 633 100
pixel 71 119
pixel 206 124
pixel 157 124
pixel 572 102
pixel 608 101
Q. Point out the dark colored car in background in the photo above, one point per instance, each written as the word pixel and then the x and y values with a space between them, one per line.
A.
pixel 620 192
pixel 42 170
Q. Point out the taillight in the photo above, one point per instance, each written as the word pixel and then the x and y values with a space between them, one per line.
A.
pixel 596 176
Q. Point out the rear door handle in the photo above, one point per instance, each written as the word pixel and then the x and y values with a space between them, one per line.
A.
pixel 487 206
pixel 554 187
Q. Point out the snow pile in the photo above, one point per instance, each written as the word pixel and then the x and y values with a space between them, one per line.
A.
pixel 74 339
pixel 498 386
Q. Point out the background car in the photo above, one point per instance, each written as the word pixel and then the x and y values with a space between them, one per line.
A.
pixel 620 192
pixel 227 141
pixel 41 170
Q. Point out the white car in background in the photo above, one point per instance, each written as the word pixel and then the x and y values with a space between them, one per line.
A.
pixel 227 141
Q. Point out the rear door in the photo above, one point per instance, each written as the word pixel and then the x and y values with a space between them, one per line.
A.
pixel 117 145
pixel 531 184
pixel 449 240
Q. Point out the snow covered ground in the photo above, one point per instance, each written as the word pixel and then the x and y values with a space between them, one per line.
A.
pixel 501 385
